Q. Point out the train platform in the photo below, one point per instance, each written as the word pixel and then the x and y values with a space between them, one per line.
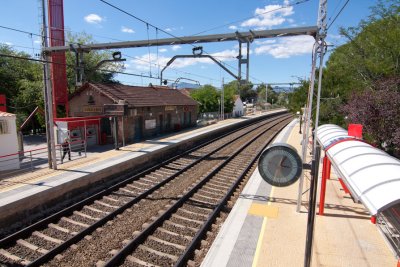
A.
pixel 263 229
pixel 19 195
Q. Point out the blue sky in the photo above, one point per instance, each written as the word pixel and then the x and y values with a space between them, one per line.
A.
pixel 277 60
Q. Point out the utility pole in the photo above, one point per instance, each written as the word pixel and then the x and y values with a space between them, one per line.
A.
pixel 222 101
pixel 319 49
pixel 48 96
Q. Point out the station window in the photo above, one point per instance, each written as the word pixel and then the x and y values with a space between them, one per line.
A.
pixel 3 127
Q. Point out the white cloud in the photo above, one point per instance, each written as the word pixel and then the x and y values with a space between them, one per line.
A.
pixel 168 30
pixel 93 19
pixel 127 30
pixel 269 41
pixel 286 47
pixel 162 50
pixel 176 47
pixel 270 15
pixel 232 27
pixel 37 41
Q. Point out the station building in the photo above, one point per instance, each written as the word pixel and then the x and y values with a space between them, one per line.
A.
pixel 148 111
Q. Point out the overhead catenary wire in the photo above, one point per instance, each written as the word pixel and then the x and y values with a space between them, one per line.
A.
pixel 136 58
pixel 147 23
pixel 337 15
pixel 164 31
pixel 51 62
pixel 250 17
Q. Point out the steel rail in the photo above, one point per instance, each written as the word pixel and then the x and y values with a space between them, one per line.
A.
pixel 44 258
pixel 128 248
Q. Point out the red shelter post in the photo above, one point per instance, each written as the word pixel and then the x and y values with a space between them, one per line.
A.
pixel 323 186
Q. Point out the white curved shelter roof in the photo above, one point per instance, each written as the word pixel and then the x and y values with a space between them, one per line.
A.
pixel 372 176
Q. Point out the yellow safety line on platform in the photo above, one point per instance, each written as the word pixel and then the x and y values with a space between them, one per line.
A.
pixel 264 210
pixel 261 236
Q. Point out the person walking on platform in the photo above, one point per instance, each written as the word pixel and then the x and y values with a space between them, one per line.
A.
pixel 66 149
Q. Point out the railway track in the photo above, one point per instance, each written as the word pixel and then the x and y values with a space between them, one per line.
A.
pixel 96 229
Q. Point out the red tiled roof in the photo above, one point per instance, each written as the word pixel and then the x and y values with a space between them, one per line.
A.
pixel 144 96
pixel 186 91
pixel 6 114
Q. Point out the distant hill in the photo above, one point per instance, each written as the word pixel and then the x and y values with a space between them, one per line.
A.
pixel 184 85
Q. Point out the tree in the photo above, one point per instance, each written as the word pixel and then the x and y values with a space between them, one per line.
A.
pixel 378 110
pixel 245 91
pixel 21 82
pixel 207 96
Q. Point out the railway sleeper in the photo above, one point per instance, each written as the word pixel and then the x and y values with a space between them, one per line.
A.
pixel 218 185
pixel 210 188
pixel 191 213
pixel 105 204
pixel 149 180
pixel 48 238
pixel 143 183
pixel 61 229
pixel 31 246
pixel 111 199
pixel 86 216
pixel 158 253
pixel 135 190
pixel 209 198
pixel 180 228
pixel 134 260
pixel 68 220
pixel 96 210
pixel 187 219
pixel 173 234
pixel 166 242
pixel 13 257
pixel 209 201
pixel 212 193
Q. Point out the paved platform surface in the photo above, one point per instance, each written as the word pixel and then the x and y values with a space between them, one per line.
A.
pixel 33 183
pixel 264 228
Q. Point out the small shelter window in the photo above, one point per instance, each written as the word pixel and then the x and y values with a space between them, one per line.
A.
pixel 3 127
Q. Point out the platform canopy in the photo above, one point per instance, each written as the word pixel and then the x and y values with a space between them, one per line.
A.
pixel 372 176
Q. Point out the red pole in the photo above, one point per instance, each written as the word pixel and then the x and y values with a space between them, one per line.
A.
pixel 373 219
pixel 328 168
pixel 323 186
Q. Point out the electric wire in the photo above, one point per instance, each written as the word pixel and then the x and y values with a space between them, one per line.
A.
pixel 83 45
pixel 168 33
pixel 337 15
pixel 247 18
pixel 70 65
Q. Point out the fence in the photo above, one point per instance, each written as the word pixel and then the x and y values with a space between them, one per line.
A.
pixel 213 116
pixel 30 160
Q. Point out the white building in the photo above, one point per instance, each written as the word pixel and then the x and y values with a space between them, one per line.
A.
pixel 8 142
pixel 238 109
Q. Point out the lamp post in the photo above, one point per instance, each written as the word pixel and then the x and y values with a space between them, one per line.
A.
pixel 300 118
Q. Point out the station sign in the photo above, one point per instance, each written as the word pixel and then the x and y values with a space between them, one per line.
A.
pixel 92 109
pixel 170 108
pixel 115 109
